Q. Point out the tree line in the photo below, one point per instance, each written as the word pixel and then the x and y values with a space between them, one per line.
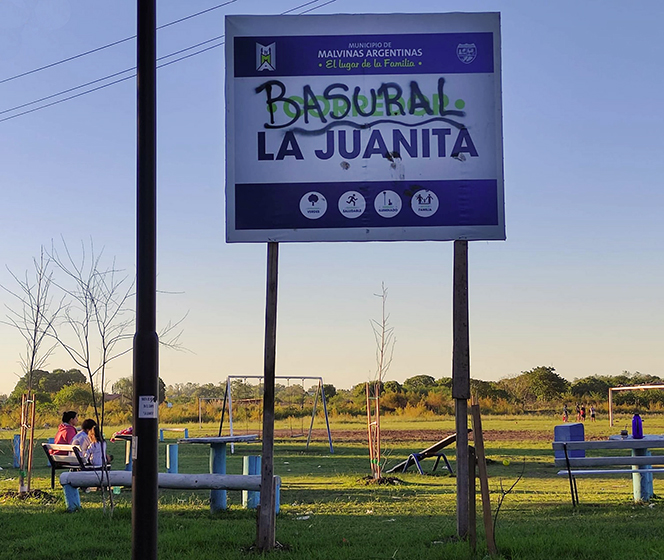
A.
pixel 540 389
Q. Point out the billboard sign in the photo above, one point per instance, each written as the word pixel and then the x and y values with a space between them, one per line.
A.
pixel 364 128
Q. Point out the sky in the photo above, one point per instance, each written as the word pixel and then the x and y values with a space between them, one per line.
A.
pixel 576 285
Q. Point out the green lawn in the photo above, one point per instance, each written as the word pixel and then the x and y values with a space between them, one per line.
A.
pixel 328 513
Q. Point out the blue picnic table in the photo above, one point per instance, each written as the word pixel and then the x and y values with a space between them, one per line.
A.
pixel 218 498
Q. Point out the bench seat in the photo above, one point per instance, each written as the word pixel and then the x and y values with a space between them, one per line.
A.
pixel 608 461
pixel 607 471
pixel 70 458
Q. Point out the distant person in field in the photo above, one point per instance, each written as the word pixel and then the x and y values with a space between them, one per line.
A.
pixel 96 452
pixel 565 413
pixel 82 438
pixel 583 413
pixel 592 412
pixel 578 412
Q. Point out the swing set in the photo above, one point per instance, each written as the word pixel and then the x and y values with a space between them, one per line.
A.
pixel 228 404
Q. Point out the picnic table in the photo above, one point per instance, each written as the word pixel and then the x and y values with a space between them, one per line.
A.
pixel 642 478
pixel 218 499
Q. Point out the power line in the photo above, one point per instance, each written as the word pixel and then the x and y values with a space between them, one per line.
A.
pixel 298 7
pixel 16 108
pixel 316 7
pixel 114 43
pixel 98 87
pixel 134 68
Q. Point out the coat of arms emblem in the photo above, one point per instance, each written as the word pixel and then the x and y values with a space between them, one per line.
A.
pixel 466 52
pixel 266 57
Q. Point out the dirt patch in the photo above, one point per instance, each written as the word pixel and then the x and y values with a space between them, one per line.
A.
pixel 429 437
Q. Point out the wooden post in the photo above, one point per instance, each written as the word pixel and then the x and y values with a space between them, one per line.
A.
pixel 266 516
pixel 478 437
pixel 472 509
pixel 461 380
pixel 377 449
pixel 22 488
pixel 369 433
pixel 31 439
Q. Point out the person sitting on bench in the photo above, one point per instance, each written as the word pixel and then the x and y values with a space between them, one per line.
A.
pixel 66 430
pixel 82 438
pixel 96 452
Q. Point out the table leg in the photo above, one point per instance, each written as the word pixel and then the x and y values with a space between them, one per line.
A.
pixel 642 481
pixel 128 456
pixel 217 466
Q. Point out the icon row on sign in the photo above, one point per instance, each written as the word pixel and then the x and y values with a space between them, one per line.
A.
pixel 352 204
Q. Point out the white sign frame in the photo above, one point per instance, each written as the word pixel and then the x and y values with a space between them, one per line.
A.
pixel 444 182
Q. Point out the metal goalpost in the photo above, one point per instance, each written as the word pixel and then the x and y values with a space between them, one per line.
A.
pixel 228 398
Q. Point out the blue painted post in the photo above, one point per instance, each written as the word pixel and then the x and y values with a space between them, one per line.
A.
pixel 172 458
pixel 642 481
pixel 217 466
pixel 17 451
pixel 72 497
pixel 186 432
pixel 277 496
pixel 161 434
pixel 128 458
pixel 251 464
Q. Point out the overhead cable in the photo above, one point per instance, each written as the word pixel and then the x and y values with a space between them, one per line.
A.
pixel 134 68
pixel 114 43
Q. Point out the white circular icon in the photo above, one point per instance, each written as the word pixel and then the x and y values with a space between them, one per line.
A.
pixel 313 205
pixel 352 204
pixel 424 203
pixel 387 204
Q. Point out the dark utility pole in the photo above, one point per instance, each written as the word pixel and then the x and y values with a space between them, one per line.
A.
pixel 146 343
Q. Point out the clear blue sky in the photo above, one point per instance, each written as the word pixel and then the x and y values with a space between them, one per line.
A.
pixel 577 285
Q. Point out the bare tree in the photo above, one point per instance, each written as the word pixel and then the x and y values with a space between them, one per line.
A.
pixel 33 318
pixel 384 336
pixel 385 340
pixel 97 324
pixel 97 321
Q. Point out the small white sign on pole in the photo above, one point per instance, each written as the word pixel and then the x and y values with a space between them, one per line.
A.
pixel 364 128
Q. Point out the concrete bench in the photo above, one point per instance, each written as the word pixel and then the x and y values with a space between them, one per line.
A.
pixel 71 481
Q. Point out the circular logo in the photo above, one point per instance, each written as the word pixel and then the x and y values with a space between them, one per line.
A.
pixel 387 204
pixel 424 203
pixel 352 204
pixel 313 205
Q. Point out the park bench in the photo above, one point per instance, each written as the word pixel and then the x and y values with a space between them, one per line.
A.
pixel 571 455
pixel 64 456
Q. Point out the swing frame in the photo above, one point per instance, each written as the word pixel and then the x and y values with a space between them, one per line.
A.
pixel 228 398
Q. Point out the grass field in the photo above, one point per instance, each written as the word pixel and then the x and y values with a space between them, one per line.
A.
pixel 329 513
